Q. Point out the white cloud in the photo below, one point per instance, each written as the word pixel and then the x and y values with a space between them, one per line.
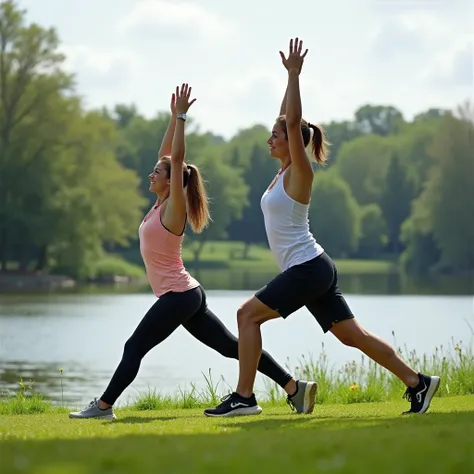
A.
pixel 421 46
pixel 411 34
pixel 454 68
pixel 463 66
pixel 255 94
pixel 230 100
pixel 410 54
pixel 104 78
pixel 186 20
pixel 102 67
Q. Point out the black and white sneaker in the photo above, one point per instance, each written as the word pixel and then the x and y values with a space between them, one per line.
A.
pixel 420 396
pixel 235 405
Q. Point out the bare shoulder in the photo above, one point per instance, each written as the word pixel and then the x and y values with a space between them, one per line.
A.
pixel 298 185
pixel 173 216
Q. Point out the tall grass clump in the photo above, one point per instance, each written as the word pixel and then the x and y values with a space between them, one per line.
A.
pixel 366 381
pixel 184 398
pixel 25 401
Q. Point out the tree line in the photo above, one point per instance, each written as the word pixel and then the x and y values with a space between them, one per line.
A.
pixel 73 181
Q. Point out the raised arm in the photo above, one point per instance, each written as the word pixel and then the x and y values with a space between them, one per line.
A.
pixel 175 213
pixel 301 169
pixel 283 103
pixel 165 148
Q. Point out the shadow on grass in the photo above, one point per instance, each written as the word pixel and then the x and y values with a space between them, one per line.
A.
pixel 267 423
pixel 277 422
pixel 438 442
pixel 143 419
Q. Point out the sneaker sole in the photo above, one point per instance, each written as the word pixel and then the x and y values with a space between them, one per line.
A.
pixel 104 417
pixel 310 397
pixel 435 381
pixel 238 412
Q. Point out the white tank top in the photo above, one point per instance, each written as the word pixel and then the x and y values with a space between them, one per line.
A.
pixel 287 227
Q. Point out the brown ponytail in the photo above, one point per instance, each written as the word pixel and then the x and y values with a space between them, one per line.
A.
pixel 198 209
pixel 318 144
pixel 196 195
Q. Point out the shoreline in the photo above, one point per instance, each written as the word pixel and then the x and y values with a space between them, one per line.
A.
pixel 33 281
pixel 24 281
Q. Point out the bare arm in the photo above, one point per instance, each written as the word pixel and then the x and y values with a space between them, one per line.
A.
pixel 175 212
pixel 166 144
pixel 283 103
pixel 301 170
pixel 177 199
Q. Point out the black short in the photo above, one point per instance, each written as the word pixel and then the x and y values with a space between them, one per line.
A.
pixel 313 284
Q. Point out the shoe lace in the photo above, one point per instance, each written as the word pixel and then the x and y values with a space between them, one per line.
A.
pixel 289 401
pixel 408 395
pixel 411 394
pixel 91 404
pixel 226 397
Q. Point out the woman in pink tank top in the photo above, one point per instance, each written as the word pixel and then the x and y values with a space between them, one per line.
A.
pixel 181 197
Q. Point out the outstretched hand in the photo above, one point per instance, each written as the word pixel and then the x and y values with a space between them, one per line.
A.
pixel 295 58
pixel 182 99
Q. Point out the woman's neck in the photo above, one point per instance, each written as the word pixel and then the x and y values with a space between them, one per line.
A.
pixel 285 163
pixel 161 199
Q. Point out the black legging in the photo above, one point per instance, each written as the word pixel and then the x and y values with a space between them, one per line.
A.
pixel 165 316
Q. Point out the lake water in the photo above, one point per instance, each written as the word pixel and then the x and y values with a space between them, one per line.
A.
pixel 83 332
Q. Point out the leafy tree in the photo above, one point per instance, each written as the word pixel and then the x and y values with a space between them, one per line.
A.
pixel 363 164
pixel 430 114
pixel 227 192
pixel 30 126
pixel 338 133
pixel 334 215
pixel 124 114
pixel 257 176
pixel 396 201
pixel 443 215
pixel 413 148
pixel 373 232
pixel 379 120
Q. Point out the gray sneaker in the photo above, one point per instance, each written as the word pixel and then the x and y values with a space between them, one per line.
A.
pixel 305 397
pixel 93 411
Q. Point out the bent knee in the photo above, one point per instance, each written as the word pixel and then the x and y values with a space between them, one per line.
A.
pixel 129 345
pixel 245 315
pixel 132 349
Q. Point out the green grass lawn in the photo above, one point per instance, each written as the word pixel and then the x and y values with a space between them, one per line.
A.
pixel 229 254
pixel 356 438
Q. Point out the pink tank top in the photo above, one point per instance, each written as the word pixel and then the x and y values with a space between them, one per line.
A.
pixel 161 253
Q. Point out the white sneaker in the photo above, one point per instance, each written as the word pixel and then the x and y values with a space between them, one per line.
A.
pixel 93 411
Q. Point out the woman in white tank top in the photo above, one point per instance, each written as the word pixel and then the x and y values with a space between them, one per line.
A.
pixel 309 276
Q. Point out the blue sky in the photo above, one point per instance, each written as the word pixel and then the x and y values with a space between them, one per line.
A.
pixel 413 54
